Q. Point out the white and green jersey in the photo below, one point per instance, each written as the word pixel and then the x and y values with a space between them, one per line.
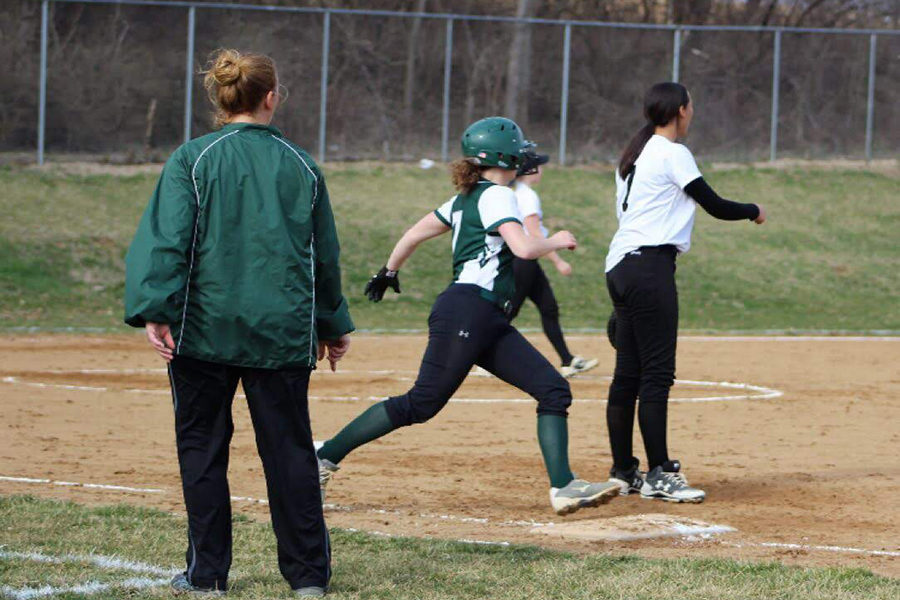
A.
pixel 480 256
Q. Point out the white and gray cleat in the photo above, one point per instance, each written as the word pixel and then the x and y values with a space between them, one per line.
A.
pixel 326 470
pixel 666 482
pixel 578 494
pixel 578 365
pixel 630 481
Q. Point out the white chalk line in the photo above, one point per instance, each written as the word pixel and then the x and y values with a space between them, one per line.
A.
pixel 674 529
pixel 84 589
pixel 759 392
pixel 482 521
pixel 812 547
pixel 99 486
pixel 704 531
pixel 108 563
pixel 329 506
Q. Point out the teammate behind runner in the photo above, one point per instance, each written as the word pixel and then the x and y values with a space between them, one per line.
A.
pixel 531 282
pixel 658 186
pixel 234 274
pixel 469 321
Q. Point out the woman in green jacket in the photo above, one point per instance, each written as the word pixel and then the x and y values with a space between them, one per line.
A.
pixel 234 274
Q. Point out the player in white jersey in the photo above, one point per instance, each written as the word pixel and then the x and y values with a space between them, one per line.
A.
pixel 469 321
pixel 658 186
pixel 531 281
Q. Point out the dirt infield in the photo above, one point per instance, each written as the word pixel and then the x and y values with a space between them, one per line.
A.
pixel 807 476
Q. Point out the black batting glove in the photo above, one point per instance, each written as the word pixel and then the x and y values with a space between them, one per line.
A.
pixel 380 282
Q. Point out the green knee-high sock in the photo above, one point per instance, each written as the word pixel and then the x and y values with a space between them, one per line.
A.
pixel 373 423
pixel 553 436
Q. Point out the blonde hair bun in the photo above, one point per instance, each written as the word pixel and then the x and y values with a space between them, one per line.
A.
pixel 227 67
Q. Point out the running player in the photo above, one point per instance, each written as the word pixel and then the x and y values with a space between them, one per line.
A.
pixel 531 282
pixel 658 186
pixel 469 321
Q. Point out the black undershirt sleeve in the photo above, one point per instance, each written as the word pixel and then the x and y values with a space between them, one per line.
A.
pixel 717 206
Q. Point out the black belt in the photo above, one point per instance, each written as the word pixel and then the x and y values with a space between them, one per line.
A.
pixel 668 249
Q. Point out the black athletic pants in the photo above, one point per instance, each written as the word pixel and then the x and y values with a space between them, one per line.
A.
pixel 465 329
pixel 202 393
pixel 643 292
pixel 532 283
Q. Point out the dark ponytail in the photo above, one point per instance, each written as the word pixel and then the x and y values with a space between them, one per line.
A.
pixel 662 103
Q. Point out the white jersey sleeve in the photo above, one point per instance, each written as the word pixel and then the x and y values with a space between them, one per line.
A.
pixel 528 200
pixel 445 212
pixel 497 205
pixel 681 166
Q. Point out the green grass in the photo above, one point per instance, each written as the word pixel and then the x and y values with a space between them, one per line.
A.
pixel 827 259
pixel 366 566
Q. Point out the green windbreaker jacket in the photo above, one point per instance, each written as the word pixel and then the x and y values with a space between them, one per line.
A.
pixel 238 252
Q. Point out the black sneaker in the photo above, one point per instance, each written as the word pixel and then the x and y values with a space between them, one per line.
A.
pixel 666 482
pixel 630 481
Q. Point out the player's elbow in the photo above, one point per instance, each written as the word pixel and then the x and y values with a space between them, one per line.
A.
pixel 525 251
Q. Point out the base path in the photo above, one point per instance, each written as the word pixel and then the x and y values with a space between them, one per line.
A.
pixel 797 455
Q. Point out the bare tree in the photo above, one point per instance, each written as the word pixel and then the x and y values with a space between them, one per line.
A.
pixel 518 70
pixel 412 50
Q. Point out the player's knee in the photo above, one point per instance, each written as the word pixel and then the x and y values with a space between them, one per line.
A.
pixel 556 397
pixel 426 412
pixel 416 406
pixel 655 389
pixel 623 389
pixel 399 410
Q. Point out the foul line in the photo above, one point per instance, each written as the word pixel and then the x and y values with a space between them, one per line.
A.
pixel 758 392
pixel 812 547
pixel 100 486
pixel 330 506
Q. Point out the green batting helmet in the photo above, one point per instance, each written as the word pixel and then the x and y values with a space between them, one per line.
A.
pixel 494 142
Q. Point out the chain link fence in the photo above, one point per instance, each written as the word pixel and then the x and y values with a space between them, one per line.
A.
pixel 124 77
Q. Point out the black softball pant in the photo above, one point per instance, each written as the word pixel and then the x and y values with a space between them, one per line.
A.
pixel 203 393
pixel 645 298
pixel 465 329
pixel 532 283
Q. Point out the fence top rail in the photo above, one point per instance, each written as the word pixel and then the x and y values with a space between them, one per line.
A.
pixel 489 18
